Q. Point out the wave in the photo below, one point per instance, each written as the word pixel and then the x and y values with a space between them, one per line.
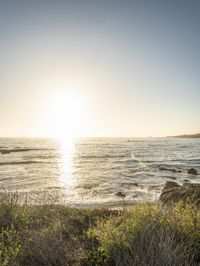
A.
pixel 22 162
pixel 101 156
pixel 7 151
pixel 186 160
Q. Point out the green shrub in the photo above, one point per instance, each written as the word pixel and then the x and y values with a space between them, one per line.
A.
pixel 10 248
pixel 150 234
pixel 11 212
pixel 56 235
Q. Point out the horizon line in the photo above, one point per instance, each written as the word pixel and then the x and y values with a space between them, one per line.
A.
pixel 81 137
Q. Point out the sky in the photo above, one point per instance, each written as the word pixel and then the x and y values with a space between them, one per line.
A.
pixel 99 68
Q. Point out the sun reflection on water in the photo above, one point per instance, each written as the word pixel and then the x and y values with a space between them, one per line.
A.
pixel 66 150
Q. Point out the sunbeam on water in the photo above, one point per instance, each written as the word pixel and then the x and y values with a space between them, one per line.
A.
pixel 66 164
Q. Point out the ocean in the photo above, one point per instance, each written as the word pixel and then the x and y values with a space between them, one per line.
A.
pixel 96 172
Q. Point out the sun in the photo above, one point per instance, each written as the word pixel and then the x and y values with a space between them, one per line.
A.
pixel 65 119
pixel 66 115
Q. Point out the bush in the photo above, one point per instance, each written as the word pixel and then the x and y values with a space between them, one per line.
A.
pixel 56 235
pixel 151 235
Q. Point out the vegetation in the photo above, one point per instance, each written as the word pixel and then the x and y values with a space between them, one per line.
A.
pixel 146 234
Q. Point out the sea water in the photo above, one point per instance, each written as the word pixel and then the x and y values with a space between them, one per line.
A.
pixel 97 172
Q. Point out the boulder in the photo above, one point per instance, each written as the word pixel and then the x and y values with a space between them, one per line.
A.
pixel 192 171
pixel 178 171
pixel 187 193
pixel 171 184
pixel 120 194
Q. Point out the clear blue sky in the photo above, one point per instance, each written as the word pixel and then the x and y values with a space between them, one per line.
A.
pixel 136 64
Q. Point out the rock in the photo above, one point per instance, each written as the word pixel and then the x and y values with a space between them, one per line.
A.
pixel 120 194
pixel 195 186
pixel 135 184
pixel 192 171
pixel 171 184
pixel 187 193
pixel 87 186
pixel 134 196
pixel 186 180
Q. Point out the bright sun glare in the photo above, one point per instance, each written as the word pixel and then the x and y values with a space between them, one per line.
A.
pixel 65 115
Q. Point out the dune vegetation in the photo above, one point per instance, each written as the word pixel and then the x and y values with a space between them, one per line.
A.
pixel 145 234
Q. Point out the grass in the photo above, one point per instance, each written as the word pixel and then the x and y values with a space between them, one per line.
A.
pixel 146 234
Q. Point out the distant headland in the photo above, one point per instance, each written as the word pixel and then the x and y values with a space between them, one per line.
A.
pixel 188 136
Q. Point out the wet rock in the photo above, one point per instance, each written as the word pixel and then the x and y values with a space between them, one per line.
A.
pixel 87 186
pixel 138 185
pixel 171 184
pixel 186 193
pixel 120 194
pixel 134 196
pixel 194 186
pixel 192 171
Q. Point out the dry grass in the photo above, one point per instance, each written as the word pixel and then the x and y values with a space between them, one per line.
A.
pixel 56 235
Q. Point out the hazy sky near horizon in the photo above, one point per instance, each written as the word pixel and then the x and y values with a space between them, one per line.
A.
pixel 103 68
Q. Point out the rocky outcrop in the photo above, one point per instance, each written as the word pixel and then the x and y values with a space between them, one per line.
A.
pixel 192 171
pixel 171 184
pixel 187 193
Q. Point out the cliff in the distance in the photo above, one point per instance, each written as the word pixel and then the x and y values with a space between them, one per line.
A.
pixel 188 136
